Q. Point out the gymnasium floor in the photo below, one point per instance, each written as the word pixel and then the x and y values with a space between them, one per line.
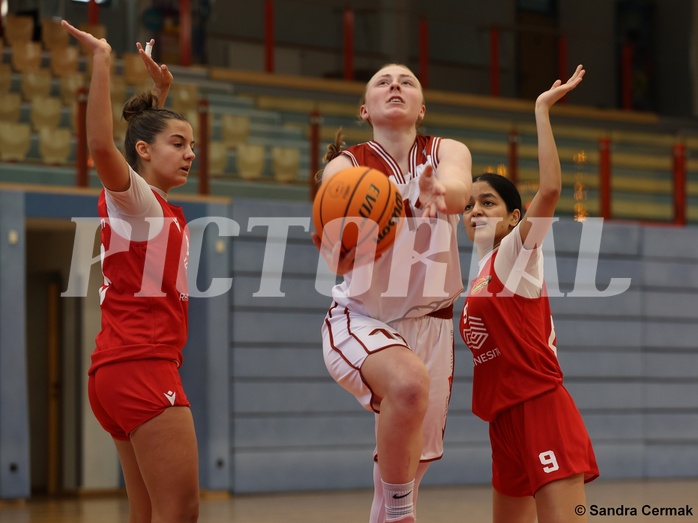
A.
pixel 436 505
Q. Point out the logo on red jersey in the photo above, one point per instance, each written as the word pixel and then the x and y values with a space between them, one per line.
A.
pixel 475 333
pixel 480 284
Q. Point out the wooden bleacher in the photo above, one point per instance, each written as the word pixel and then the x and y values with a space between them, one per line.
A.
pixel 277 109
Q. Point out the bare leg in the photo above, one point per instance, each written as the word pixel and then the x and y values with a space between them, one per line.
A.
pixel 556 502
pixel 509 509
pixel 400 381
pixel 138 498
pixel 166 451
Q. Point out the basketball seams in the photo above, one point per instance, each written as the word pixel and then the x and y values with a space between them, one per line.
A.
pixel 362 202
pixel 379 220
pixel 350 201
pixel 346 208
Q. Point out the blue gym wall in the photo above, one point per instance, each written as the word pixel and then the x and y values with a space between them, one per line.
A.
pixel 268 416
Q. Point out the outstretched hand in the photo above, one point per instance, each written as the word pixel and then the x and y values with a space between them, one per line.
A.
pixel 432 193
pixel 88 40
pixel 161 75
pixel 558 89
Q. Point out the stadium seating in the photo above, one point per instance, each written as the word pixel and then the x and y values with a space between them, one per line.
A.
pixel 64 61
pixel 250 161
pixel 18 28
pixel 10 107
pixel 14 141
pixel 285 163
pixel 53 34
pixel 5 79
pixel 25 56
pixel 235 129
pixel 184 97
pixel 68 86
pixel 55 145
pixel 36 82
pixel 46 111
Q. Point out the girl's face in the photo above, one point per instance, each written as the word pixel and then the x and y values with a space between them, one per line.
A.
pixel 393 95
pixel 168 159
pixel 486 217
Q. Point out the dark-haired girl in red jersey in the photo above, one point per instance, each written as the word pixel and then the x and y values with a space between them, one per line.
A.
pixel 134 386
pixel 541 453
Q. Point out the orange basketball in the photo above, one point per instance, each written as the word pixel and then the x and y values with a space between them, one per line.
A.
pixel 360 207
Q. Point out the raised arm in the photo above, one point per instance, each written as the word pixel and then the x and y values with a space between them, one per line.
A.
pixel 112 168
pixel 545 200
pixel 448 189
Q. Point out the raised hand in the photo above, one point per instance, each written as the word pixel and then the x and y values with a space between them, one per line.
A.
pixel 88 40
pixel 558 89
pixel 161 75
pixel 432 193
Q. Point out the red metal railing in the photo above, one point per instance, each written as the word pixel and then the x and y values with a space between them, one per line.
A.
pixel 348 44
pixel 494 61
pixel 679 161
pixel 424 52
pixel 269 36
pixel 204 139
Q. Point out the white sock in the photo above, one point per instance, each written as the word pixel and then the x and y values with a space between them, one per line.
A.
pixel 398 499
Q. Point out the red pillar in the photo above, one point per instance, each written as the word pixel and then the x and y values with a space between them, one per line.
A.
pixel 315 122
pixel 184 32
pixel 92 12
pixel 203 111
pixel 605 177
pixel 348 44
pixel 81 135
pixel 679 168
pixel 269 36
pixel 513 140
pixel 424 53
pixel 494 61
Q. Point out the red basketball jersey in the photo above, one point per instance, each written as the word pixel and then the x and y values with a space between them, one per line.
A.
pixel 396 290
pixel 144 297
pixel 513 344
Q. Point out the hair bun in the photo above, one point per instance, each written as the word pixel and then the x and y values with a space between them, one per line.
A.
pixel 139 104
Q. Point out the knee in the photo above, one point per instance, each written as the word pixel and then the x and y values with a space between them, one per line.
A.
pixel 412 392
pixel 190 513
pixel 187 510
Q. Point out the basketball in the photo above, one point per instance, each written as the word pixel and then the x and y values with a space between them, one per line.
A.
pixel 360 207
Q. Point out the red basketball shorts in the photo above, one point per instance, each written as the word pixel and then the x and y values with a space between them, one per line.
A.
pixel 125 395
pixel 539 441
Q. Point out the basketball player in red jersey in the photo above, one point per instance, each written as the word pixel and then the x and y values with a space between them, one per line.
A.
pixel 391 346
pixel 134 386
pixel 541 452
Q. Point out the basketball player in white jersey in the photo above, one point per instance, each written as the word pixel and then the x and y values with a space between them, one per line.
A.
pixel 388 335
